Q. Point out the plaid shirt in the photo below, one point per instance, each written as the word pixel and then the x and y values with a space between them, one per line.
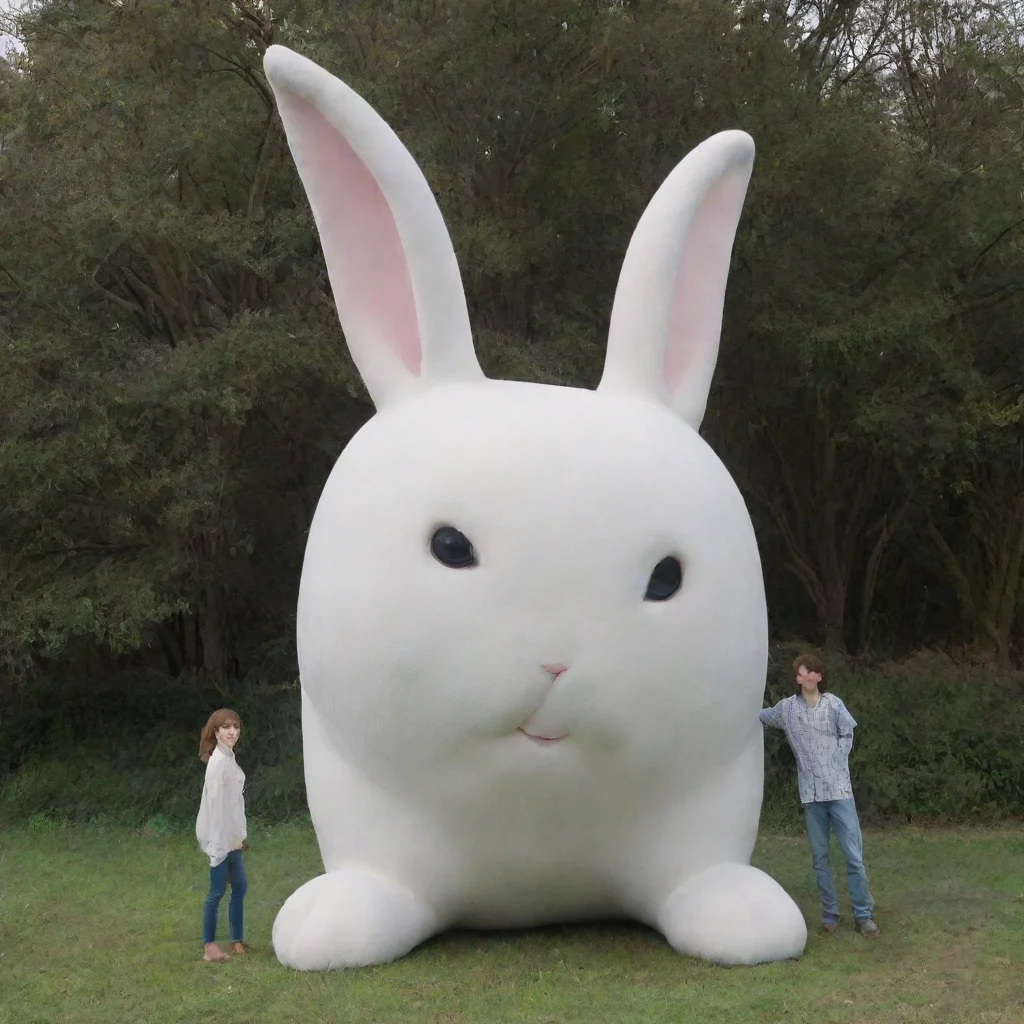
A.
pixel 821 738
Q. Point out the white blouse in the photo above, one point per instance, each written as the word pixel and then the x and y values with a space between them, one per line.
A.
pixel 221 822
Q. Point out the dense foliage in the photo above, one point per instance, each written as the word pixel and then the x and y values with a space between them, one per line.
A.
pixel 174 387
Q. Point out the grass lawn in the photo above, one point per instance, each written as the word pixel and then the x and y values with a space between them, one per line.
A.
pixel 103 926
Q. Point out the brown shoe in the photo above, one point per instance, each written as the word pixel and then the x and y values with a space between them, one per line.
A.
pixel 866 927
pixel 240 948
pixel 211 951
pixel 829 927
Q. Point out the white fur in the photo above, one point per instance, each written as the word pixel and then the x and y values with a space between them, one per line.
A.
pixel 431 808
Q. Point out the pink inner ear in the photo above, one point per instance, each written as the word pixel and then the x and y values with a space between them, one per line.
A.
pixel 696 319
pixel 365 258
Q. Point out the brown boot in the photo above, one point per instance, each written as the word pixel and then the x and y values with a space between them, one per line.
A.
pixel 211 951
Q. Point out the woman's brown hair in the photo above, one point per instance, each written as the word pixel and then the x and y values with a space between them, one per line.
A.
pixel 812 663
pixel 208 737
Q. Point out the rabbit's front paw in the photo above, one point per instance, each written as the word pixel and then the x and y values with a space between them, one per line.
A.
pixel 733 914
pixel 349 918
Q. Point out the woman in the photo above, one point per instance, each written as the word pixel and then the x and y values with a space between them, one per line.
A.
pixel 220 828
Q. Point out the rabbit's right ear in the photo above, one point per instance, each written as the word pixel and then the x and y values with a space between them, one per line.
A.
pixel 667 317
pixel 392 268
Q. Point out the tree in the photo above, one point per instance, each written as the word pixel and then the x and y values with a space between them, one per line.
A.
pixel 174 387
pixel 172 376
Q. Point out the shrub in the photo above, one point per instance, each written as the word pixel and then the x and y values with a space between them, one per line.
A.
pixel 125 750
pixel 934 742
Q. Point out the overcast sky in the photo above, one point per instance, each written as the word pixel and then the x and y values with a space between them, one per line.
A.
pixel 6 6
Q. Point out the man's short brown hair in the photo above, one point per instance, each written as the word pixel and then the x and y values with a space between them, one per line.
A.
pixel 812 663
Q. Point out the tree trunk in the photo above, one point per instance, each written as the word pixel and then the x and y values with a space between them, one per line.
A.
pixel 835 617
pixel 212 631
pixel 887 527
pixel 822 505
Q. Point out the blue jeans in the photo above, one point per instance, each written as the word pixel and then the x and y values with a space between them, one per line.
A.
pixel 231 867
pixel 839 816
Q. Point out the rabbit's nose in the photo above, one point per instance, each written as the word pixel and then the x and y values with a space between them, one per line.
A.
pixel 556 670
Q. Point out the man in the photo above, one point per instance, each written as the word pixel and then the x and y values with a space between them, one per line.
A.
pixel 820 732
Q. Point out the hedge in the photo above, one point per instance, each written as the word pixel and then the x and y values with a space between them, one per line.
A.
pixel 936 742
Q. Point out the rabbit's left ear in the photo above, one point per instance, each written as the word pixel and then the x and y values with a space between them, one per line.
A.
pixel 393 271
pixel 667 318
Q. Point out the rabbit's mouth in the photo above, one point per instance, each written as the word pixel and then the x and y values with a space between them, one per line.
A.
pixel 542 741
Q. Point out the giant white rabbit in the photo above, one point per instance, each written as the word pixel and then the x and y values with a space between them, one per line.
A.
pixel 532 632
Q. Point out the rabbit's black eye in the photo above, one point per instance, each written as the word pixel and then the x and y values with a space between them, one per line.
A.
pixel 666 579
pixel 452 547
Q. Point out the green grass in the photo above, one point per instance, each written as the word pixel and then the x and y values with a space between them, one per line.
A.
pixel 100 926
